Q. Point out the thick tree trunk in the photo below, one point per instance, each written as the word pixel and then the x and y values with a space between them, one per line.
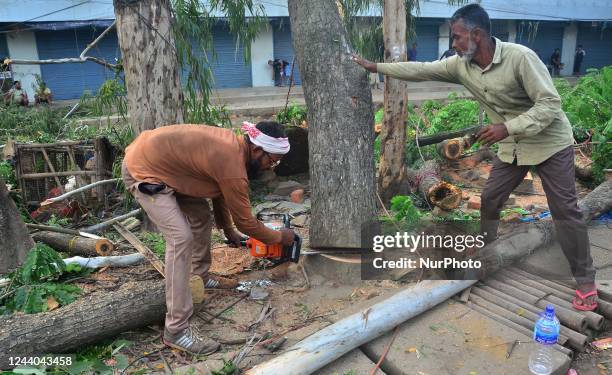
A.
pixel 340 121
pixel 14 238
pixel 75 244
pixel 150 63
pixel 391 171
pixel 96 317
pixel 430 185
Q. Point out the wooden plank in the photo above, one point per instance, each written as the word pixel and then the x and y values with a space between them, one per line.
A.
pixel 141 248
pixel 30 176
pixel 52 169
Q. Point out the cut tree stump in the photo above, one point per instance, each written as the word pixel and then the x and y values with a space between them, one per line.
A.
pixel 74 244
pixel 14 238
pixel 429 183
pixel 101 315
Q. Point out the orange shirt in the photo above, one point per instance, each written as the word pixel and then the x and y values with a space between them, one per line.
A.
pixel 204 162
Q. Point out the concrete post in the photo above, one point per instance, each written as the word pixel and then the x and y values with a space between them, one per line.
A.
pixel 568 49
pixel 443 38
pixel 262 50
pixel 22 45
pixel 511 31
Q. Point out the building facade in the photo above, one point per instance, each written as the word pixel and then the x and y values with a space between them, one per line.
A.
pixel 37 29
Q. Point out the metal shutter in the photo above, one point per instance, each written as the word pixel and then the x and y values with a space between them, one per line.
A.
pixel 3 47
pixel 548 37
pixel 283 47
pixel 596 43
pixel 427 39
pixel 69 81
pixel 229 69
pixel 499 29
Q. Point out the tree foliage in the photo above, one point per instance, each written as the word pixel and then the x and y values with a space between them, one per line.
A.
pixel 588 106
pixel 193 36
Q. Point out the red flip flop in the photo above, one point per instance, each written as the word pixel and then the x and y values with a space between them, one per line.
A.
pixel 583 297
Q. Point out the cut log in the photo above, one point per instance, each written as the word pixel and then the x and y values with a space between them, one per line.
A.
pixel 597 202
pixel 14 238
pixel 101 315
pixel 451 148
pixel 110 261
pixel 429 183
pixel 75 245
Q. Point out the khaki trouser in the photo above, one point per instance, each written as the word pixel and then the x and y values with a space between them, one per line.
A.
pixel 558 180
pixel 186 224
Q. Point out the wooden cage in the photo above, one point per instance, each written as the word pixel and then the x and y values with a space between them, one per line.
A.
pixel 41 167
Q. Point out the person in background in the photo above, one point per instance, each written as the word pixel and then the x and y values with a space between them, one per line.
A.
pixel 43 94
pixel 412 53
pixel 555 62
pixel 287 68
pixel 277 65
pixel 17 95
pixel 578 57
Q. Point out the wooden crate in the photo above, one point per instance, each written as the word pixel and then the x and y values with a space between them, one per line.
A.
pixel 41 167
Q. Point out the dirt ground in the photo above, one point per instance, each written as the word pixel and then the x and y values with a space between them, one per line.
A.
pixel 295 304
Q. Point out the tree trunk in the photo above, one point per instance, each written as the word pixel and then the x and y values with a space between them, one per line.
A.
pixel 391 170
pixel 75 244
pixel 14 238
pixel 430 185
pixel 340 122
pixel 99 316
pixel 150 63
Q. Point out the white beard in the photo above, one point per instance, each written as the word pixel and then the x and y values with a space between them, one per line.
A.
pixel 469 54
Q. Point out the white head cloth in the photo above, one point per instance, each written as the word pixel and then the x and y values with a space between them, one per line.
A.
pixel 279 146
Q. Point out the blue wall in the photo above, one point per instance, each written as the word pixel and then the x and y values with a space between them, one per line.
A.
pixel 549 36
pixel 598 45
pixel 427 39
pixel 228 66
pixel 69 81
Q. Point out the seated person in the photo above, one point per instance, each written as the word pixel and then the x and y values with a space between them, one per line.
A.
pixel 17 95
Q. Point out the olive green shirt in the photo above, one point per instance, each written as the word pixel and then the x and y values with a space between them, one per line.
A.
pixel 515 89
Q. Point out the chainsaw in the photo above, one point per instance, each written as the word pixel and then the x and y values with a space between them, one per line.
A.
pixel 276 253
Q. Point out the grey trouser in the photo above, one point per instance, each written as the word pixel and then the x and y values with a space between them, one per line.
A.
pixel 186 224
pixel 558 180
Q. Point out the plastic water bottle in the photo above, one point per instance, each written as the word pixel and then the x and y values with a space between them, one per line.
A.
pixel 545 334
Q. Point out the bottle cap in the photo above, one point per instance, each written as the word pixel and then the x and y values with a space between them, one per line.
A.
pixel 550 311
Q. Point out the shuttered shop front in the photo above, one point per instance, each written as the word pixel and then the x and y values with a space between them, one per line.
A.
pixel 69 81
pixel 597 42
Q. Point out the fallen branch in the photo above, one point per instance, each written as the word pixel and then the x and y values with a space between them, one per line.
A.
pixel 335 340
pixel 81 59
pixel 77 191
pixel 111 261
pixel 103 225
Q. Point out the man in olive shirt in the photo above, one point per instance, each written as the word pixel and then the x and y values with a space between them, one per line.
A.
pixel 528 123
pixel 171 171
